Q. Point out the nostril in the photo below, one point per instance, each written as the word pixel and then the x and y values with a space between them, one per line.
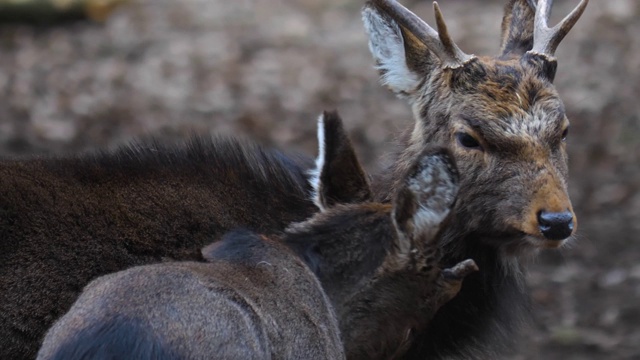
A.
pixel 555 218
pixel 555 225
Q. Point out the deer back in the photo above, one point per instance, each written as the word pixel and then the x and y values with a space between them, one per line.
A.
pixel 253 299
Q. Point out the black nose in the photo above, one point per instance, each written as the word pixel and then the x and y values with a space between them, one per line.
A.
pixel 555 225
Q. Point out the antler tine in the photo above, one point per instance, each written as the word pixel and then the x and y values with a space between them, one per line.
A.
pixel 439 43
pixel 453 51
pixel 409 20
pixel 545 39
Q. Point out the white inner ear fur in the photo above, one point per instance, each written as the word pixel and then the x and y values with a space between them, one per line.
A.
pixel 435 190
pixel 314 174
pixel 387 47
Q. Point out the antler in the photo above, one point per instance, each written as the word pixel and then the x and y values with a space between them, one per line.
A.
pixel 545 39
pixel 439 42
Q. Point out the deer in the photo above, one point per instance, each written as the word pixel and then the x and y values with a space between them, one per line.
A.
pixel 352 281
pixel 506 126
pixel 501 117
pixel 67 220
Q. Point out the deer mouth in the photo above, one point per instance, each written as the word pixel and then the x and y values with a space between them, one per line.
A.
pixel 519 243
pixel 539 242
pixel 516 242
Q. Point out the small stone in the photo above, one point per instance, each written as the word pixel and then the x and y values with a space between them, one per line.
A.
pixel 634 273
pixel 566 335
pixel 613 278
pixel 566 273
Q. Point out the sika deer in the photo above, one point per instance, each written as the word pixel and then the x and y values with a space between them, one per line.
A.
pixel 506 126
pixel 66 221
pixel 260 298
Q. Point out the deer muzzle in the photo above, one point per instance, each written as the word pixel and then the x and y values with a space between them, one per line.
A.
pixel 550 216
pixel 555 225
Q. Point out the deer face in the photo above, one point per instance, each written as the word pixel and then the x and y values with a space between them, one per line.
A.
pixel 507 128
pixel 501 117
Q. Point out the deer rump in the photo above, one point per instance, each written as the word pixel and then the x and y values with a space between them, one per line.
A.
pixel 66 221
pixel 254 299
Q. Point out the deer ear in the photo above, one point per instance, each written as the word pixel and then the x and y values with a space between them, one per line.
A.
pixel 401 58
pixel 338 177
pixel 427 194
pixel 517 27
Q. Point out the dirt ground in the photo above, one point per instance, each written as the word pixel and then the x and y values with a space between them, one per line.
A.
pixel 266 68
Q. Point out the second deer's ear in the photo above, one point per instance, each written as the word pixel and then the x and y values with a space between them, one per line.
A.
pixel 338 177
pixel 427 194
pixel 517 27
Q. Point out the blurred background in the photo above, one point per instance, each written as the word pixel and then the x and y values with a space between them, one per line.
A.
pixel 81 74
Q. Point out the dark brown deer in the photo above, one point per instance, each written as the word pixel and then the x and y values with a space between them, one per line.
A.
pixel 260 298
pixel 66 221
pixel 506 126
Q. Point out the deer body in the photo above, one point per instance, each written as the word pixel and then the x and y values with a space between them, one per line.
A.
pixel 374 264
pixel 253 299
pixel 67 221
pixel 506 126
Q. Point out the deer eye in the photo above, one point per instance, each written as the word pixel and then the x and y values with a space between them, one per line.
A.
pixel 565 133
pixel 468 141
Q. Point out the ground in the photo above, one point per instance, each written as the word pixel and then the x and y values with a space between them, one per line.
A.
pixel 266 68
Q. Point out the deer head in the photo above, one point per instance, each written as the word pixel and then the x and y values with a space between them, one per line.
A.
pixel 501 116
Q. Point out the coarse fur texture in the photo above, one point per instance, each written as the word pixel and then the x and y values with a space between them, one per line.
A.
pixel 377 263
pixel 65 221
pixel 506 126
pixel 252 299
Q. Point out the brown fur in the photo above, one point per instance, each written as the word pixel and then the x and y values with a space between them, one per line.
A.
pixel 509 107
pixel 378 264
pixel 66 221
pixel 254 299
